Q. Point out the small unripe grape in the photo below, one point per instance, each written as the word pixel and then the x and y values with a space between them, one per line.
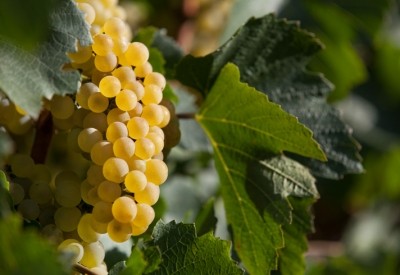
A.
pixel 67 218
pixel 17 192
pixel 40 192
pixel 21 165
pixel 29 209
pixel 137 53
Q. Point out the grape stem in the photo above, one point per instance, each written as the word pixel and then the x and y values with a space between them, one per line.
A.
pixel 43 135
pixel 84 270
pixel 186 115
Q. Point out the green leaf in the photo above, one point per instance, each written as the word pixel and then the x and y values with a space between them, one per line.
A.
pixel 245 129
pixel 272 55
pixel 135 264
pixel 26 77
pixel 206 221
pixel 6 202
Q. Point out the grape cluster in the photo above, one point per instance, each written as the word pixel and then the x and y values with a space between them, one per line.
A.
pixel 115 121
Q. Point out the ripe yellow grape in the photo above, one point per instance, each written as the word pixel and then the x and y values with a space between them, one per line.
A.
pixel 153 113
pixel 157 130
pixel 145 148
pixel 114 27
pixel 106 63
pixel 102 44
pixel 99 227
pixel 119 232
pixel 67 218
pixel 143 70
pixel 152 94
pixel 98 103
pixel 117 115
pixel 94 175
pixel 166 117
pixel 137 111
pixel 136 231
pixel 116 130
pixel 102 211
pixel 145 215
pixel 115 169
pixel 87 138
pixel 93 254
pixel 137 54
pixel 135 86
pixel 155 78
pixel 74 247
pixel 126 100
pixel 61 107
pixel 84 92
pixel 101 151
pixel 40 192
pixel 97 76
pixel 109 191
pixel 156 171
pixel 85 188
pixel 136 163
pixel 124 209
pixel 29 209
pixel 124 148
pixel 95 120
pixel 149 195
pixel 124 74
pixel 63 124
pixel 158 142
pixel 135 181
pixel 85 231
pixel 82 54
pixel 120 46
pixel 88 11
pixel 138 127
pixel 110 86
pixel 21 165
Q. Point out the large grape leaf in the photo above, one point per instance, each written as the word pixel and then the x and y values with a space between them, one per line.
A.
pixel 27 76
pixel 246 130
pixel 272 55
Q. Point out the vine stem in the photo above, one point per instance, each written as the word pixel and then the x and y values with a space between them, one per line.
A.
pixel 186 115
pixel 83 269
pixel 43 135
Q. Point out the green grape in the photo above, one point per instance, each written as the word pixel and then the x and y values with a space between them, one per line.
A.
pixel 82 96
pixel 124 209
pixel 102 211
pixel 116 130
pixel 153 113
pixel 88 137
pixel 41 173
pixel 137 111
pixel 79 115
pixel 145 215
pixel 152 94
pixel 143 70
pixel 73 247
pixel 95 120
pixel 119 232
pixel 117 115
pixel 101 151
pixel 106 63
pixel 68 194
pixel 19 124
pixel 135 181
pixel 72 140
pixel 63 124
pixel 47 215
pixel 137 53
pixel 166 117
pixel 156 171
pixel 88 11
pixel 85 231
pixel 126 100
pixel 136 230
pixel 21 165
pixel 114 27
pixel 115 169
pixel 85 188
pixel 82 54
pixel 136 163
pixel 93 254
pixel 135 86
pixel 29 209
pixel 67 218
pixel 149 195
pixel 52 233
pixel 158 142
pixel 145 148
pixel 102 44
pixel 17 192
pixel 40 192
pixel 94 175
pixel 138 127
pixel 93 196
pixel 154 78
pixel 124 148
pixel 109 191
pixel 110 86
pixel 125 74
pixel 98 103
pixel 62 107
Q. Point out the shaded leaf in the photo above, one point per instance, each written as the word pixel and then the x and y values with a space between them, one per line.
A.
pixel 206 221
pixel 135 264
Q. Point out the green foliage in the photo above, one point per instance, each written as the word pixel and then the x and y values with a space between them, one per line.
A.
pixel 6 202
pixel 26 77
pixel 206 221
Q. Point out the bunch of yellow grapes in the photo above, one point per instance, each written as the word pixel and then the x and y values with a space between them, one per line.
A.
pixel 115 121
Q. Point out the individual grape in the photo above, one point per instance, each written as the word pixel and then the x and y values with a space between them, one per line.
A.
pixel 78 116
pixel 137 111
pixel 63 124
pixel 126 100
pixel 114 27
pixel 102 44
pixel 82 54
pixel 93 196
pixel 136 163
pixel 157 130
pixel 98 103
pixel 120 46
pixel 67 218
pixel 95 120
pixel 68 194
pixel 47 215
pixel 158 142
pixel 73 247
pixel 62 107
pixel 115 169
pixel 21 165
pixel 17 192
pixel 124 148
pixel 117 115
pixel 156 171
pixel 101 151
pixel 93 254
pixel 99 227
pixel 159 156
pixel 40 192
pixel 85 188
pixel 143 70
pixel 97 75
pixel 145 148
pixel 29 209
pixel 153 113
pixel 102 211
pixel 136 230
pixel 124 74
pixel 110 86
pixel 19 124
pixel 87 138
pixel 155 78
pixel 166 117
pixel 152 94
pixel 138 127
pixel 119 232
pixel 106 63
pixel 52 233
pixel 137 53
pixel 109 191
pixel 88 11
pixel 135 86
pixel 85 231
pixel 94 175
pixel 82 96
pixel 145 215
pixel 135 181
pixel 72 140
pixel 116 130
pixel 66 177
pixel 124 209
pixel 149 195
